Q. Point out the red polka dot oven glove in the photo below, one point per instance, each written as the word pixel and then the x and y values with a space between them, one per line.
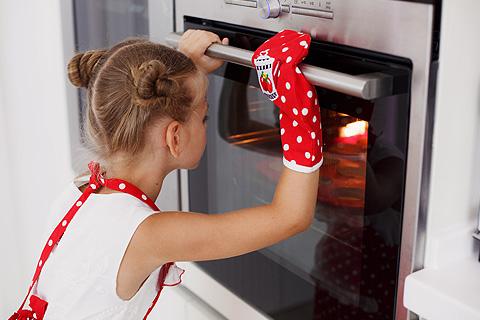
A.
pixel 283 83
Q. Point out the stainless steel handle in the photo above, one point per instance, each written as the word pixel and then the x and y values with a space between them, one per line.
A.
pixel 366 86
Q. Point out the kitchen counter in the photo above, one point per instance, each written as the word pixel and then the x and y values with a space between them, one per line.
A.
pixel 446 293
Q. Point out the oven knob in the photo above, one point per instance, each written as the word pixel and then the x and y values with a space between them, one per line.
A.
pixel 269 8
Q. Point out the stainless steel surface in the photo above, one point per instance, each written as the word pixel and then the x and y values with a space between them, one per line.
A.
pixel 367 86
pixel 394 27
pixel 245 3
pixel 269 8
pixel 313 13
pixel 229 53
pixel 160 19
pixel 478 221
pixel 325 5
pixel 476 235
pixel 226 303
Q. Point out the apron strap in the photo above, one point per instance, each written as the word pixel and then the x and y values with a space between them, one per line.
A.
pixel 96 181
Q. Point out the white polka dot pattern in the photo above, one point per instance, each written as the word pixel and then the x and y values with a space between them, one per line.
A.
pixel 296 97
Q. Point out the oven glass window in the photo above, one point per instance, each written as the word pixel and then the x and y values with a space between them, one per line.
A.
pixel 345 265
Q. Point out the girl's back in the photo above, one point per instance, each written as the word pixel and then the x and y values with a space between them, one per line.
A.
pixel 79 282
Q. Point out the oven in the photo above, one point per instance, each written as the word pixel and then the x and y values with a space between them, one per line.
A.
pixel 372 63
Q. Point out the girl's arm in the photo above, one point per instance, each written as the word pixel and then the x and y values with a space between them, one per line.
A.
pixel 189 236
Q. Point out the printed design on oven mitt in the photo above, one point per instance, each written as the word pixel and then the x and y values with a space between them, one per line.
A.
pixel 283 83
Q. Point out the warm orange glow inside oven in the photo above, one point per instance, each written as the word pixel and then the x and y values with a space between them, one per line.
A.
pixel 342 176
pixel 356 128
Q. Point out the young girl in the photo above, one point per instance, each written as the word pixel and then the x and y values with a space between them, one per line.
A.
pixel 147 116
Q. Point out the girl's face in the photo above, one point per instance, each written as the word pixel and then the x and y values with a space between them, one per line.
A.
pixel 197 127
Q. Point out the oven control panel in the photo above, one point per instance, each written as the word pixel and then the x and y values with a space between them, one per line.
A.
pixel 277 8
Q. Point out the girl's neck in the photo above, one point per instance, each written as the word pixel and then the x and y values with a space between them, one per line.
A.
pixel 145 175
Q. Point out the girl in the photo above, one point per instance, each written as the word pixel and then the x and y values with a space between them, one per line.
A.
pixel 147 116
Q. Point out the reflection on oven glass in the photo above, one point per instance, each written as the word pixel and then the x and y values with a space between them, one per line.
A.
pixel 355 261
pixel 342 177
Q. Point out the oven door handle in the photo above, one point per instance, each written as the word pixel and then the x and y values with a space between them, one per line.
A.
pixel 366 86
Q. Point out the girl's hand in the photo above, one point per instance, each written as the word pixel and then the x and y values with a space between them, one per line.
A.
pixel 194 43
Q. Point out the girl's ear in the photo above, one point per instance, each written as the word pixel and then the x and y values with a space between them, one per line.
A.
pixel 173 138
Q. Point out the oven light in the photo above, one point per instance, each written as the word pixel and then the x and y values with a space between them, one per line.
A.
pixel 353 129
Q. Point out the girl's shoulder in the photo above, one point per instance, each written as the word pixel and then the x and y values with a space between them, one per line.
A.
pixel 104 203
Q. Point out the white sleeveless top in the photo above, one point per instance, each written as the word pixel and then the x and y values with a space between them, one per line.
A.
pixel 79 279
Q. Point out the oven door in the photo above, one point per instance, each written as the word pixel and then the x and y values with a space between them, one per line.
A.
pixel 345 266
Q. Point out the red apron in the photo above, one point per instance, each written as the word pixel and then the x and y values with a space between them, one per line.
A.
pixel 38 306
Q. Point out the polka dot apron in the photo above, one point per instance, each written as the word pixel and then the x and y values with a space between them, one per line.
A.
pixel 282 81
pixel 168 271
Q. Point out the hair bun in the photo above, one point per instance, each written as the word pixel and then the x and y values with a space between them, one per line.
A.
pixel 154 81
pixel 82 65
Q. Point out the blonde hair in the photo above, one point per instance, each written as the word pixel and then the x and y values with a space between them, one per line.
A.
pixel 128 86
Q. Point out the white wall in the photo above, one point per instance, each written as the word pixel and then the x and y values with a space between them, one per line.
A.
pixel 9 272
pixel 455 180
pixel 34 143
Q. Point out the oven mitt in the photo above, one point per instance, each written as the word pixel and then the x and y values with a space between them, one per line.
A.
pixel 283 83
